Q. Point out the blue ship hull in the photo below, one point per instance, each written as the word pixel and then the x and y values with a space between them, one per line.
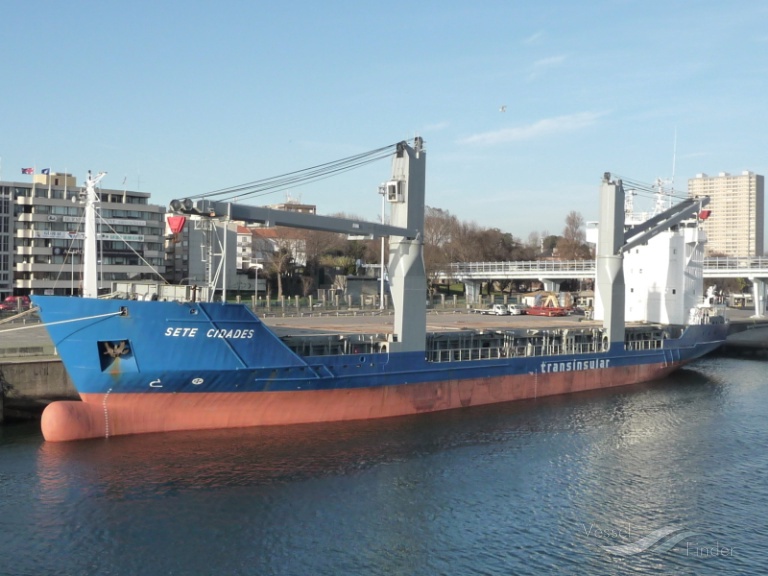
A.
pixel 144 366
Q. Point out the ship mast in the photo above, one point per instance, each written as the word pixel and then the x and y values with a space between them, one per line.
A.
pixel 90 281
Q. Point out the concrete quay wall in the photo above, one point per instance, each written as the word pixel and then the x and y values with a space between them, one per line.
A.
pixel 29 385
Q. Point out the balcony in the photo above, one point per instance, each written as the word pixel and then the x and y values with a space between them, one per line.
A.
pixel 33 267
pixel 33 251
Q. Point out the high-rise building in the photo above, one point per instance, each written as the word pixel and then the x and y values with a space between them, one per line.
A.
pixel 48 236
pixel 735 225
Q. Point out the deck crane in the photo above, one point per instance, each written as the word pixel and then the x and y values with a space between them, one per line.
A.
pixel 405 192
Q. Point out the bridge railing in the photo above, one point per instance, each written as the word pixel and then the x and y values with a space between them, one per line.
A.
pixel 500 269
pixel 458 268
pixel 729 263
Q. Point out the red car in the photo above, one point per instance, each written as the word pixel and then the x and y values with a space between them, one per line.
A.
pixel 15 303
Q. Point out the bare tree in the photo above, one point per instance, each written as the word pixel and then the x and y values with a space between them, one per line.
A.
pixel 439 226
pixel 465 245
pixel 307 284
pixel 572 245
pixel 534 241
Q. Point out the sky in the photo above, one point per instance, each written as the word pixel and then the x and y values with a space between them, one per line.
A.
pixel 522 105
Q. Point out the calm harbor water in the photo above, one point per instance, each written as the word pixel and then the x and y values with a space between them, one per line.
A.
pixel 664 478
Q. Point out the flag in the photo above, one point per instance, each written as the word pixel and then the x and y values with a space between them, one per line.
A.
pixel 176 223
pixel 27 170
pixel 45 171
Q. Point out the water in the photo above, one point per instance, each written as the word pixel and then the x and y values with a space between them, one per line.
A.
pixel 539 487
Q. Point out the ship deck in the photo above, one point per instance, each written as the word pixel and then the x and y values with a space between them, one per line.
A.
pixel 372 322
pixel 459 336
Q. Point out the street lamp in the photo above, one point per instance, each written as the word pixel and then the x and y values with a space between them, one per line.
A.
pixel 256 269
pixel 255 286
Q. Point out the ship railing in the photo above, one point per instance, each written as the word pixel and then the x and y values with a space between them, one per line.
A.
pixel 653 344
pixel 464 354
pixel 520 351
pixel 584 348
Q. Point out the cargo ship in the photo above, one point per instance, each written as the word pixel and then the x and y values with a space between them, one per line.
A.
pixel 157 365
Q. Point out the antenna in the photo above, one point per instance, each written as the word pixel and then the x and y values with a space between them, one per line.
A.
pixel 629 201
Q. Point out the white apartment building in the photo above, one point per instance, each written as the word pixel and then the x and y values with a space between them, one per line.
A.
pixel 48 236
pixel 735 226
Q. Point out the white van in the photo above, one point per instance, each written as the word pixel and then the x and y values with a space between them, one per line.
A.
pixel 516 309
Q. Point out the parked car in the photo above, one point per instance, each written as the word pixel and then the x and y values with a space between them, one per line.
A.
pixel 15 303
pixel 496 309
pixel 499 310
pixel 516 309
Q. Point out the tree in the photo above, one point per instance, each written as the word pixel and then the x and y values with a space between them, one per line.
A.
pixel 280 265
pixel 318 243
pixel 307 284
pixel 548 244
pixel 278 254
pixel 464 242
pixel 572 245
pixel 439 226
pixel 534 241
pixel 333 250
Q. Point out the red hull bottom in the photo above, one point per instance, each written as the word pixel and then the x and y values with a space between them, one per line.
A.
pixel 104 415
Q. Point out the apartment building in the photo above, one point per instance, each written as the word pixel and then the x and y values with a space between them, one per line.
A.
pixel 736 224
pixel 6 241
pixel 47 255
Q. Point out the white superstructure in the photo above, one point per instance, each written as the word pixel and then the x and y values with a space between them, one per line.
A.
pixel 663 277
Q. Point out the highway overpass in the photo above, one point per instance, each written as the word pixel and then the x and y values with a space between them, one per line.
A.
pixel 552 272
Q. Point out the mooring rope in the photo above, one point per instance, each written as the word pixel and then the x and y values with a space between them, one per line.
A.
pixel 62 322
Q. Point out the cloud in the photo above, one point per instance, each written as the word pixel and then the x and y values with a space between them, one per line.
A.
pixel 533 38
pixel 541 66
pixel 538 129
pixel 548 62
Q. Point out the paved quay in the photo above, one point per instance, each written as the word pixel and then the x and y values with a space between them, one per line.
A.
pixel 26 339
pixel 742 321
pixel 437 321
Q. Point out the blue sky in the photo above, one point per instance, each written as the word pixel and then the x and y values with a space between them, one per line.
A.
pixel 179 98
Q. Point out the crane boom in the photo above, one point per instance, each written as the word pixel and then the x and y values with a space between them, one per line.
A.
pixel 274 217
